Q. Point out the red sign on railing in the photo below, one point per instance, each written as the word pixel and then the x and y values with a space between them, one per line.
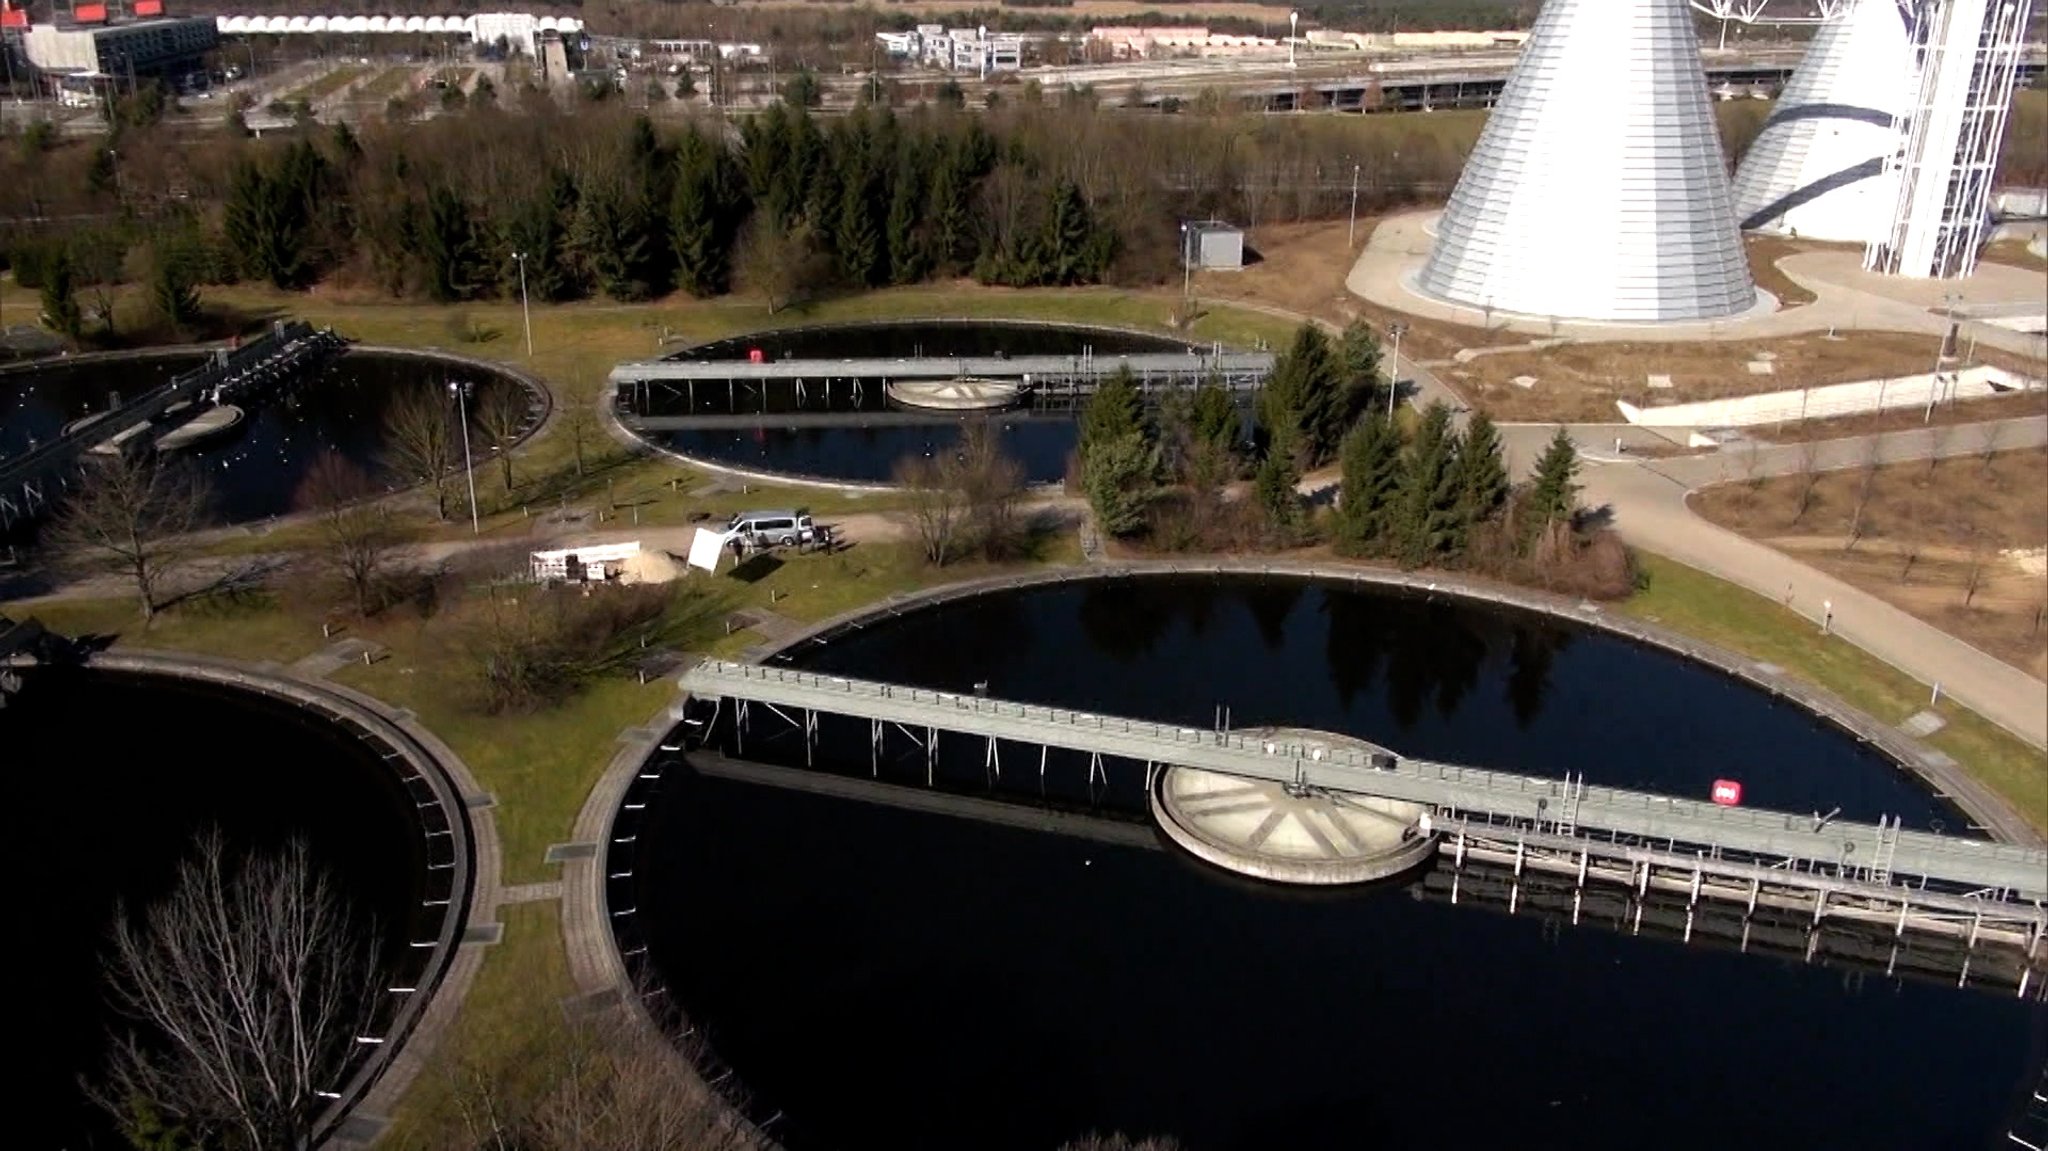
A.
pixel 1727 793
pixel 148 7
pixel 90 13
pixel 756 356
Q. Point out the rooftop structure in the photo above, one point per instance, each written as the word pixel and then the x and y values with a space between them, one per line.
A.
pixel 1598 189
pixel 518 29
pixel 144 46
pixel 1818 167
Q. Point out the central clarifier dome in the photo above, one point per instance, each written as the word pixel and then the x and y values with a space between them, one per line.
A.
pixel 1598 190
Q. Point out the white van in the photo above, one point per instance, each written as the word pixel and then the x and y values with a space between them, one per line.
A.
pixel 767 529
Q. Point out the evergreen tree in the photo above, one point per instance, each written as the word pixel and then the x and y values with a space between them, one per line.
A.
pixel 1305 395
pixel 949 210
pixel 1113 412
pixel 703 216
pixel 266 225
pixel 1554 491
pixel 857 240
pixel 1274 485
pixel 540 228
pixel 1214 416
pixel 60 298
pixel 171 292
pixel 448 247
pixel 1066 251
pixel 802 90
pixel 1117 474
pixel 1427 524
pixel 1359 352
pixel 613 233
pixel 1371 490
pixel 907 261
pixel 1482 475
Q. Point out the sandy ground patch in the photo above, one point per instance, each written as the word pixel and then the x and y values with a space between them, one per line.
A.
pixel 1957 544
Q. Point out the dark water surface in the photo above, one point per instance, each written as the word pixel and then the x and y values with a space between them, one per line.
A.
pixel 109 778
pixel 1039 441
pixel 889 979
pixel 253 471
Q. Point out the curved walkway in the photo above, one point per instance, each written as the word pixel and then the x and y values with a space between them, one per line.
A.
pixel 372 1095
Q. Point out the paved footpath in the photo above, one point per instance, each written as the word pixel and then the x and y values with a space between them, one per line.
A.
pixel 1648 503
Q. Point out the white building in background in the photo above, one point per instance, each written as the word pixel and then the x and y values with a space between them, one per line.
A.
pixel 518 29
pixel 1817 169
pixel 1598 189
pixel 974 50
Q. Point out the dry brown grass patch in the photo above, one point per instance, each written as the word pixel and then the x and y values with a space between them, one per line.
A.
pixel 1928 540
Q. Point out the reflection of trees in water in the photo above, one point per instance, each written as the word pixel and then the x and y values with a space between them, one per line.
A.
pixel 1533 649
pixel 1355 642
pixel 1270 604
pixel 1125 619
pixel 1433 654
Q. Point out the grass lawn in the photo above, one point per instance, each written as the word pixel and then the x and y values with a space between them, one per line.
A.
pixel 326 84
pixel 1719 612
pixel 510 1015
pixel 251 626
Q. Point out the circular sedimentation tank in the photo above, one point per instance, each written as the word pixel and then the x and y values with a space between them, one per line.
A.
pixel 1288 834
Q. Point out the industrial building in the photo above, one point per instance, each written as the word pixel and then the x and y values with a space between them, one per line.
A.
pixel 1817 169
pixel 1584 201
pixel 142 47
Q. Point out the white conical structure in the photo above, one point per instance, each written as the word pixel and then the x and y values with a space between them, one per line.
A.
pixel 1818 167
pixel 1598 190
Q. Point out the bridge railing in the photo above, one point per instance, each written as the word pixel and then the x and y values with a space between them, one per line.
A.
pixel 1346 768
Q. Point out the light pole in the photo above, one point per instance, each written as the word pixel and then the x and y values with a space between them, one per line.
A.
pixel 1394 366
pixel 1293 20
pixel 1948 326
pixel 1187 268
pixel 1351 233
pixel 461 394
pixel 525 313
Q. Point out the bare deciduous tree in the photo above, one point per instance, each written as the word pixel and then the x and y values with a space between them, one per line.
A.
pixel 936 504
pixel 579 423
pixel 248 984
pixel 1990 436
pixel 1866 487
pixel 132 515
pixel 1750 455
pixel 992 484
pixel 419 439
pixel 776 261
pixel 1979 549
pixel 356 536
pixel 501 416
pixel 1809 479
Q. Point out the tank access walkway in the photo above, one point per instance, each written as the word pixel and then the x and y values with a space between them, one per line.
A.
pixel 27 479
pixel 1052 375
pixel 1870 873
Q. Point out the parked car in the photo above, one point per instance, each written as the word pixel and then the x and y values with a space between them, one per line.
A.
pixel 774 528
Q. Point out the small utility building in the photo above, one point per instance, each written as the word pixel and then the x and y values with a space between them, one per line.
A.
pixel 1212 245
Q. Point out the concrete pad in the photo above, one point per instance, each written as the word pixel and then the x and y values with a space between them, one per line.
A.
pixel 1659 382
pixel 563 852
pixel 1524 382
pixel 1761 368
pixel 483 934
pixel 1923 724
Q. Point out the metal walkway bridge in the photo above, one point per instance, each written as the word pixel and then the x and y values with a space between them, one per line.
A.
pixel 1235 370
pixel 1872 873
pixel 26 479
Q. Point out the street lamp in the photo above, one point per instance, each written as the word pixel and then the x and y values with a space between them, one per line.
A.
pixel 1351 233
pixel 1187 267
pixel 1394 366
pixel 1941 348
pixel 461 394
pixel 1293 20
pixel 525 313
